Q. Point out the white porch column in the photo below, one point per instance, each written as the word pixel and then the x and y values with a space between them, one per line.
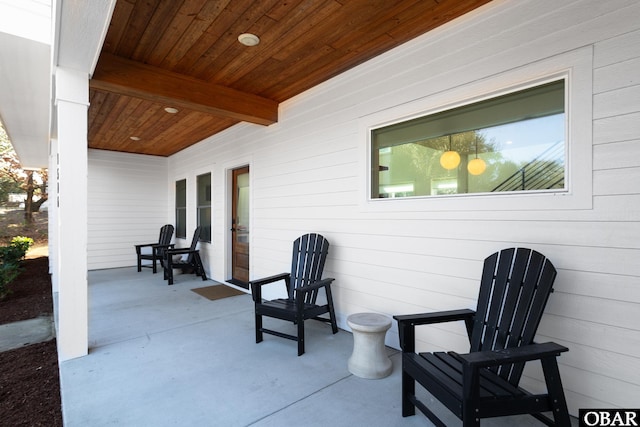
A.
pixel 72 102
pixel 52 213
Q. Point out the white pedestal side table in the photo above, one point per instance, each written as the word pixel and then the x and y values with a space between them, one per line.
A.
pixel 369 358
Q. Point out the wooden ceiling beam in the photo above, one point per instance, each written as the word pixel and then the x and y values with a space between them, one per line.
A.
pixel 126 77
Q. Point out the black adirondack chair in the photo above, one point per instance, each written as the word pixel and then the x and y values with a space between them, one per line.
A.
pixel 192 263
pixel 156 249
pixel 303 285
pixel 483 383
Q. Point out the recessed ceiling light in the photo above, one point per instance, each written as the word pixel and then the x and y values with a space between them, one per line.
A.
pixel 134 138
pixel 171 110
pixel 248 39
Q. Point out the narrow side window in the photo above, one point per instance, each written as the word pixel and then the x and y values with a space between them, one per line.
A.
pixel 204 206
pixel 181 208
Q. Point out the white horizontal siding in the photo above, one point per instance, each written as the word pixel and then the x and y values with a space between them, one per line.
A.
pixel 306 176
pixel 127 206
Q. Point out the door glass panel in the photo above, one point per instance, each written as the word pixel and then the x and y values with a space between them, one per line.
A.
pixel 243 208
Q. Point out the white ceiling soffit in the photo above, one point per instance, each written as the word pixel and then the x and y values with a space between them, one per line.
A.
pixel 26 58
pixel 25 77
pixel 29 19
pixel 80 29
pixel 81 26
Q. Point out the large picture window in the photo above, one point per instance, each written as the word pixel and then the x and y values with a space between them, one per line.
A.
pixel 510 143
pixel 204 206
pixel 181 208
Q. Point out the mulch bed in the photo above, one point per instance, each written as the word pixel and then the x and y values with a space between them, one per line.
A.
pixel 29 376
pixel 30 293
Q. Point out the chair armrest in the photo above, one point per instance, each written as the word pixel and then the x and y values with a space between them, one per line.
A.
pixel 159 246
pixel 143 245
pixel 408 322
pixel 256 285
pixel 180 251
pixel 483 359
pixel 435 317
pixel 315 285
pixel 270 279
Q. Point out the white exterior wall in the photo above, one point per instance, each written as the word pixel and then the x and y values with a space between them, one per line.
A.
pixel 308 174
pixel 127 206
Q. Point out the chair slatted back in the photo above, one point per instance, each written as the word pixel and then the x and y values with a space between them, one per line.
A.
pixel 166 233
pixel 514 291
pixel 309 255
pixel 194 243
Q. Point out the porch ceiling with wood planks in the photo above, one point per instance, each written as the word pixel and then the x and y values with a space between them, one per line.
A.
pixel 186 55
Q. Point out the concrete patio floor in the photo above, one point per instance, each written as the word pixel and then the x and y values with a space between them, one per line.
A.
pixel 164 356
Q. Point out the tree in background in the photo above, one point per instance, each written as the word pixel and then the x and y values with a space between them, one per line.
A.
pixel 15 179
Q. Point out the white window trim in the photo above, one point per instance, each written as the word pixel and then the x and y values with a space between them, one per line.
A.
pixel 576 66
pixel 173 197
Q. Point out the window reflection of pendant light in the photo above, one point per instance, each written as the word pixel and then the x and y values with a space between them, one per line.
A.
pixel 450 159
pixel 476 166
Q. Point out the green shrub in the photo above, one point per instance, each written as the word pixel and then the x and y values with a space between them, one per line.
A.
pixel 8 272
pixel 22 244
pixel 10 257
pixel 10 254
